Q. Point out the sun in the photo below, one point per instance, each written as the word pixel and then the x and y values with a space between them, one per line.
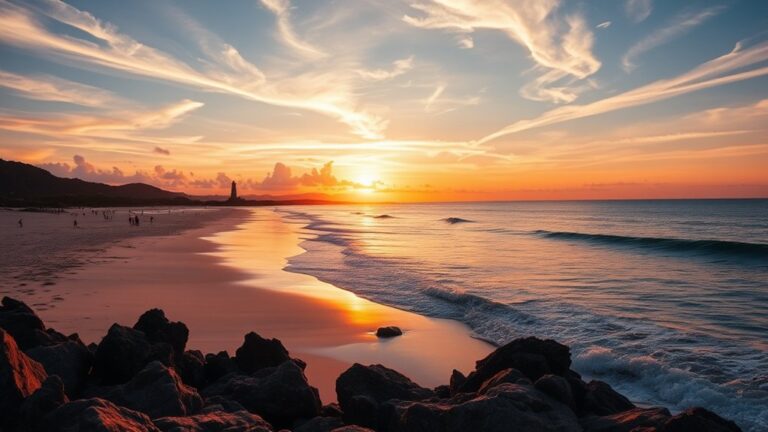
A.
pixel 367 179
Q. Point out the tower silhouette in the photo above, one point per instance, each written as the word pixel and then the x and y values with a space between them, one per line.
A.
pixel 233 194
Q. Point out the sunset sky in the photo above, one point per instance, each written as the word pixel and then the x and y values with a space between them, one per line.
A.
pixel 393 100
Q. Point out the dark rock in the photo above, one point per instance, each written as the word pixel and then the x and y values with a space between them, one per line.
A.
pixel 156 391
pixel 191 368
pixel 352 428
pixel 218 365
pixel 457 380
pixel 627 421
pixel 388 332
pixel 259 353
pixel 442 391
pixel 70 360
pixel 532 356
pixel 331 410
pixel 281 395
pixel 360 389
pixel 556 387
pixel 158 329
pixel 96 415
pixel 512 376
pixel 601 399
pixel 25 326
pixel 20 376
pixel 124 352
pixel 320 424
pixel 217 421
pixel 503 408
pixel 46 399
pixel 699 420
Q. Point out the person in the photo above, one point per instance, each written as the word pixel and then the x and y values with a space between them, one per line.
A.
pixel 151 219
pixel 21 223
pixel 137 220
pixel 74 224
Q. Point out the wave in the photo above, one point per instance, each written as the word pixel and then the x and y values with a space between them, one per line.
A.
pixel 703 247
pixel 456 220
pixel 383 216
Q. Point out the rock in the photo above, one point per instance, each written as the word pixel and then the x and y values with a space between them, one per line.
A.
pixel 360 389
pixel 320 424
pixel 352 428
pixel 156 391
pixel 96 415
pixel 442 391
pixel 217 421
pixel 191 368
pixel 46 399
pixel 20 376
pixel 388 332
pixel 457 380
pixel 219 403
pixel 503 408
pixel 699 420
pixel 25 326
pixel 331 410
pixel 601 399
pixel 70 360
pixel 158 329
pixel 281 395
pixel 124 352
pixel 218 365
pixel 259 353
pixel 505 376
pixel 555 387
pixel 627 421
pixel 532 356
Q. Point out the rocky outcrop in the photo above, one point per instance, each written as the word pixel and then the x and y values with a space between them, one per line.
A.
pixel 215 421
pixel 258 353
pixel 44 400
pixel 20 376
pixel 699 419
pixel 25 326
pixel 96 415
pixel 158 329
pixel 388 332
pixel 70 360
pixel 156 391
pixel 627 421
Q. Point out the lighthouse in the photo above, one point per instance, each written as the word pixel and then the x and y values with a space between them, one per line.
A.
pixel 233 193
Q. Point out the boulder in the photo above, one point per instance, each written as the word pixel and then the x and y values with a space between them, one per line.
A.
pixel 191 368
pixel 331 410
pixel 70 360
pixel 634 419
pixel 556 387
pixel 699 420
pixel 156 391
pixel 216 421
pixel 96 415
pixel 218 365
pixel 457 380
pixel 46 399
pixel 352 428
pixel 281 395
pixel 20 376
pixel 220 403
pixel 388 332
pixel 258 353
pixel 532 356
pixel 504 407
pixel 158 329
pixel 124 352
pixel 602 400
pixel 361 389
pixel 513 376
pixel 319 424
pixel 25 326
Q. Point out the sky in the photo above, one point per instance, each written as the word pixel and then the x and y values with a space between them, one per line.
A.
pixel 388 100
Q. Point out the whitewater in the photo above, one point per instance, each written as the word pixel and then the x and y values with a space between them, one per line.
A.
pixel 665 300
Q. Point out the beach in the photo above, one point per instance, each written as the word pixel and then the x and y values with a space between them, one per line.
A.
pixel 220 271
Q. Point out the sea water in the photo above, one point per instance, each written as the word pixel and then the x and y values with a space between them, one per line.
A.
pixel 665 300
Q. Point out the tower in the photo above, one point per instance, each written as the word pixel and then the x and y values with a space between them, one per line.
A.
pixel 233 194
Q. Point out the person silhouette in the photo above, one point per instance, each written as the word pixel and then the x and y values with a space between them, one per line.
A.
pixel 21 223
pixel 74 223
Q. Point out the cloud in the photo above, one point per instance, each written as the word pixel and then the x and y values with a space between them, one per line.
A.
pixel 603 25
pixel 399 67
pixel 433 97
pixel 282 11
pixel 638 10
pixel 561 48
pixel 680 25
pixel 226 71
pixel 465 41
pixel 48 88
pixel 84 170
pixel 281 178
pixel 716 72
pixel 162 151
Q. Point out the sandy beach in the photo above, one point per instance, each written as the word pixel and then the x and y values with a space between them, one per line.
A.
pixel 220 272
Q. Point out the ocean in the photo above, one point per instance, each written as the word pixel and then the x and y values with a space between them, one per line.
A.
pixel 665 300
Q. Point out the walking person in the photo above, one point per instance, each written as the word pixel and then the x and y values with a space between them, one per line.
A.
pixel 21 223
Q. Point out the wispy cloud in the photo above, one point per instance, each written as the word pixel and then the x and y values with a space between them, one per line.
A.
pixel 679 26
pixel 49 88
pixel 282 11
pixel 562 48
pixel 399 67
pixel 716 72
pixel 603 25
pixel 638 10
pixel 323 93
pixel 433 97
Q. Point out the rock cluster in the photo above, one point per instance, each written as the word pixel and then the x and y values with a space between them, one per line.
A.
pixel 142 378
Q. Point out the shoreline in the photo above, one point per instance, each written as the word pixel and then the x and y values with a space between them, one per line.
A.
pixel 226 278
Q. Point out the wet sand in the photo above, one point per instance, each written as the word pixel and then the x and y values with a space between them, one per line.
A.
pixel 224 281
